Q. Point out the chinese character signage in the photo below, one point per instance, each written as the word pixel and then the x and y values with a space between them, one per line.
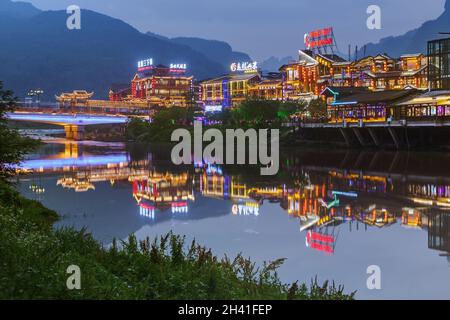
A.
pixel 319 38
pixel 179 66
pixel 145 64
pixel 246 67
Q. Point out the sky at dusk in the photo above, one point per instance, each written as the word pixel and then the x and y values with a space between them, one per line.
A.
pixel 262 28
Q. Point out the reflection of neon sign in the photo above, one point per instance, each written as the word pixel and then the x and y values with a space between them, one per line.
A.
pixel 180 207
pixel 246 67
pixel 247 209
pixel 147 211
pixel 330 205
pixel 319 38
pixel 145 64
pixel 213 169
pixel 345 194
pixel 320 242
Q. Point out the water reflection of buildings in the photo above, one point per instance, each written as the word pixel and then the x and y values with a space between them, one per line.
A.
pixel 322 200
pixel 163 191
pixel 245 198
pixel 439 232
pixel 329 198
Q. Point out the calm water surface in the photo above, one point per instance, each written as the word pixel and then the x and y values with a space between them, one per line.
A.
pixel 331 213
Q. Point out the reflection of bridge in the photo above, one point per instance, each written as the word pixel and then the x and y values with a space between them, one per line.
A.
pixel 74 125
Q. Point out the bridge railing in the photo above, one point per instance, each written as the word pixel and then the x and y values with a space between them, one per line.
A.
pixel 93 107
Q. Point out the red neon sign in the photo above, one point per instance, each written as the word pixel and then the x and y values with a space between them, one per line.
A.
pixel 321 33
pixel 319 38
pixel 320 242
pixel 314 236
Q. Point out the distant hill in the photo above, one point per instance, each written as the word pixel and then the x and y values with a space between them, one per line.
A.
pixel 38 51
pixel 414 41
pixel 17 9
pixel 272 64
pixel 218 51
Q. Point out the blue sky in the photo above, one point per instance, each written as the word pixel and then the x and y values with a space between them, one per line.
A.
pixel 262 28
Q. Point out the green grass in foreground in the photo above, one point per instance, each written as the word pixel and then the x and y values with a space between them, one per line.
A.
pixel 34 259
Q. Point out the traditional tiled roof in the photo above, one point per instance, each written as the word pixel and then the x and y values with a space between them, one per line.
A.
pixel 333 58
pixel 232 77
pixel 342 92
pixel 441 97
pixel 388 96
pixel 413 55
pixel 119 87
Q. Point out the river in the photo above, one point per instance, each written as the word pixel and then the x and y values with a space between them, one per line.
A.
pixel 331 213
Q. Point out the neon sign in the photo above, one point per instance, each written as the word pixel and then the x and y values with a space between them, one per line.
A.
pixel 213 108
pixel 145 64
pixel 246 67
pixel 178 66
pixel 319 38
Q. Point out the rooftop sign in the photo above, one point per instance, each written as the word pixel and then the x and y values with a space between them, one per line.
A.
pixel 178 67
pixel 246 67
pixel 145 64
pixel 319 38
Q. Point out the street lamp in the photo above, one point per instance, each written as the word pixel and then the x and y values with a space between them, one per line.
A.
pixel 36 93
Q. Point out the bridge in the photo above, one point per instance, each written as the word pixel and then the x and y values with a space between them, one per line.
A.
pixel 74 124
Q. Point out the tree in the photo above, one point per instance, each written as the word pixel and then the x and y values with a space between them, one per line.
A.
pixel 190 99
pixel 258 111
pixel 289 108
pixel 317 109
pixel 13 146
pixel 136 128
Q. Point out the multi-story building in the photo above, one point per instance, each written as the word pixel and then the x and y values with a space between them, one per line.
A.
pixel 228 91
pixel 313 72
pixel 300 77
pixel 160 86
pixel 389 74
pixel 439 64
pixel 269 88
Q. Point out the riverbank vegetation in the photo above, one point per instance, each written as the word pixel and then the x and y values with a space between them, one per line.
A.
pixel 251 113
pixel 35 256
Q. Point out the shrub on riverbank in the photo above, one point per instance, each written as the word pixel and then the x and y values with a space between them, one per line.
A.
pixel 35 258
pixel 251 113
pixel 161 127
